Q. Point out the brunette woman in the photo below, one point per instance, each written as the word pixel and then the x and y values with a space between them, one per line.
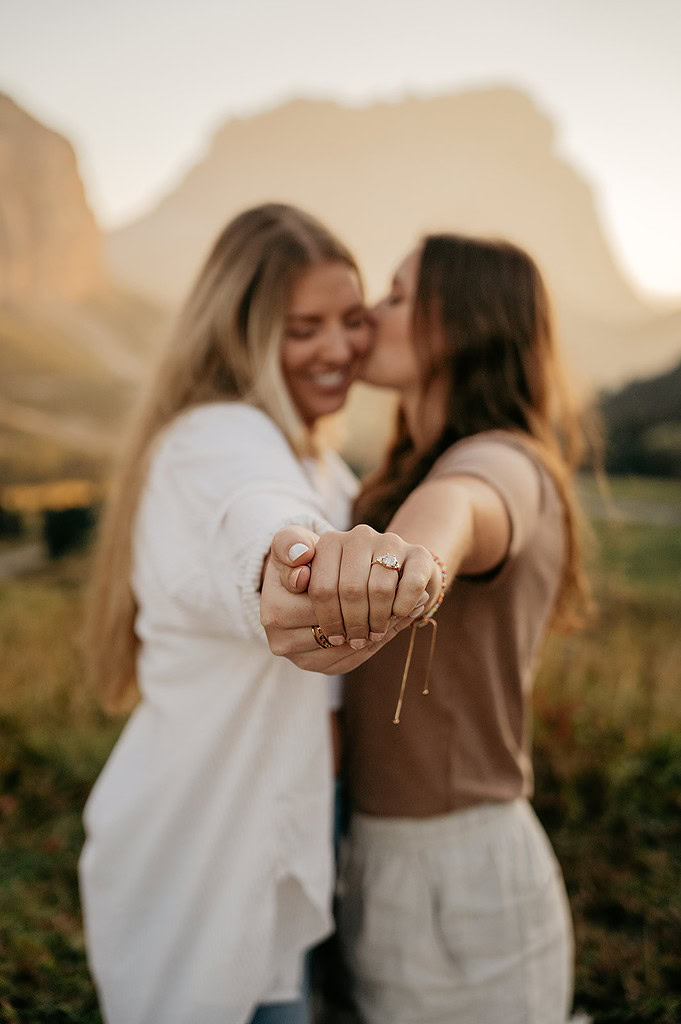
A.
pixel 452 905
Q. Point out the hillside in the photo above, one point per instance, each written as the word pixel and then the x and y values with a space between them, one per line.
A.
pixel 486 161
pixel 73 343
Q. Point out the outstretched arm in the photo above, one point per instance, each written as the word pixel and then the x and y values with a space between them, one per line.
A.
pixel 473 515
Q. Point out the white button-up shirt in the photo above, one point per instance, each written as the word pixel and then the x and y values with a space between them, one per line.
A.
pixel 207 869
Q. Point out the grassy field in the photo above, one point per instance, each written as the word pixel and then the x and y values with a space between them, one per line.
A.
pixel 608 761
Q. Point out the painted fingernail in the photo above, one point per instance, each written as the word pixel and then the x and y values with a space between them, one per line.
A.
pixel 337 641
pixel 295 576
pixel 375 637
pixel 357 645
pixel 297 550
pixel 417 611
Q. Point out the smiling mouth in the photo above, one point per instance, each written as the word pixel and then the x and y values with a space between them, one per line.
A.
pixel 333 381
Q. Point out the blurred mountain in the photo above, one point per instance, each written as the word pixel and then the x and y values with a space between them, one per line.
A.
pixel 73 342
pixel 49 241
pixel 485 162
pixel 643 425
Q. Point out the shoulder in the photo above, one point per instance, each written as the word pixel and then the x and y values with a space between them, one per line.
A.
pixel 491 453
pixel 213 450
pixel 508 464
pixel 217 426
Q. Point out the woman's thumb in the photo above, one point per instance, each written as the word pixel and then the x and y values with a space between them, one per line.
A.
pixel 294 546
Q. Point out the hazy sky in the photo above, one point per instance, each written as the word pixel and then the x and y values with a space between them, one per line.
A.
pixel 139 86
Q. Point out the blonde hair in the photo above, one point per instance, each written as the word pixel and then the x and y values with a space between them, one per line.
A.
pixel 226 346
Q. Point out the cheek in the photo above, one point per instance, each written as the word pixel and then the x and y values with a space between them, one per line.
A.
pixel 363 341
pixel 393 332
pixel 295 358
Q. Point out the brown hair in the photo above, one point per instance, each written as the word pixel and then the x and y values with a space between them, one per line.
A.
pixel 482 325
pixel 226 346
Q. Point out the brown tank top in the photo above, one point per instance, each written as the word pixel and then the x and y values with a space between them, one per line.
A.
pixel 469 740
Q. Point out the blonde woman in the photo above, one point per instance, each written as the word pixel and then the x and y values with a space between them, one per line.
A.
pixel 452 904
pixel 207 865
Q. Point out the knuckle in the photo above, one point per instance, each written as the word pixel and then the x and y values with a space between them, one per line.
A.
pixel 269 619
pixel 322 592
pixel 363 531
pixel 425 559
pixel 276 645
pixel 382 589
pixel 420 580
pixel 352 591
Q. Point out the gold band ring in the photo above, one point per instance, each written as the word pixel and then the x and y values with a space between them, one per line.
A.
pixel 320 637
pixel 389 561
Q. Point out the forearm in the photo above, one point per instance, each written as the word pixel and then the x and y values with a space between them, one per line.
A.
pixel 462 519
pixel 440 517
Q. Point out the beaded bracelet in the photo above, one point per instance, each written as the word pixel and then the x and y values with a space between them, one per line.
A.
pixel 441 596
pixel 425 620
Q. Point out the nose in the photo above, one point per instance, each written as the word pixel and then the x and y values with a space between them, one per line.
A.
pixel 339 348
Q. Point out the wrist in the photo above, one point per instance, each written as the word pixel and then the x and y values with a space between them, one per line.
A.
pixel 436 587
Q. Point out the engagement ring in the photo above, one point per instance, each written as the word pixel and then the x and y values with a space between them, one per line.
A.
pixel 389 561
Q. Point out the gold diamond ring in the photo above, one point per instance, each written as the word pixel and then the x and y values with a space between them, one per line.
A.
pixel 389 561
pixel 320 637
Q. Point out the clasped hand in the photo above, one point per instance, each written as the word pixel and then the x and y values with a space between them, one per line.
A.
pixel 359 606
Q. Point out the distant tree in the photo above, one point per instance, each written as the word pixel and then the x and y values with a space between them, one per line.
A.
pixel 11 523
pixel 67 529
pixel 643 426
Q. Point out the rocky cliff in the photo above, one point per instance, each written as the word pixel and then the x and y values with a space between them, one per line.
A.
pixel 73 344
pixel 50 246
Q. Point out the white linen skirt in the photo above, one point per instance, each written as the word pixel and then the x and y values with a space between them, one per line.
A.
pixel 458 919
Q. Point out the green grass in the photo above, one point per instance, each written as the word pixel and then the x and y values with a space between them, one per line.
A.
pixel 608 767
pixel 53 741
pixel 608 777
pixel 638 488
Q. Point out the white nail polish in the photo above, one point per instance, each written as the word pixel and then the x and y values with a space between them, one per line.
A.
pixel 297 550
